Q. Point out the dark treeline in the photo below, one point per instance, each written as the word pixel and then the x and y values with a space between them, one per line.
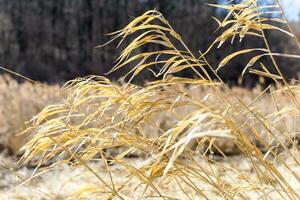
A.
pixel 54 41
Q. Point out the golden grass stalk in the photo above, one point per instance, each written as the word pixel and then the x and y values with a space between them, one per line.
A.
pixel 99 116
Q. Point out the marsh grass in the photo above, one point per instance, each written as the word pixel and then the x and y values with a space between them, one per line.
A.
pixel 189 150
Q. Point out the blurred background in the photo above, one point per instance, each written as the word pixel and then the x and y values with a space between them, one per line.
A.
pixel 54 41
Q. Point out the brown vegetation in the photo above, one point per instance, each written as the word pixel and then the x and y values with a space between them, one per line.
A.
pixel 19 103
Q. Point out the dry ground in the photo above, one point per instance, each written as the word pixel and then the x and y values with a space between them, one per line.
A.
pixel 67 182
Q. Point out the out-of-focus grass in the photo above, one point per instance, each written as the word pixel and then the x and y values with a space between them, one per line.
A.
pixel 19 102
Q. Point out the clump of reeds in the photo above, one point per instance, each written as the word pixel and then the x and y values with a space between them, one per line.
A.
pixel 99 116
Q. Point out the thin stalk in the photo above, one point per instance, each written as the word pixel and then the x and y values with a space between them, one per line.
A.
pixel 288 24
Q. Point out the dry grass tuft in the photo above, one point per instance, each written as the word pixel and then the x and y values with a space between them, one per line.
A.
pixel 189 150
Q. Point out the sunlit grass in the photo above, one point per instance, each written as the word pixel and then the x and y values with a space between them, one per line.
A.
pixel 186 150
